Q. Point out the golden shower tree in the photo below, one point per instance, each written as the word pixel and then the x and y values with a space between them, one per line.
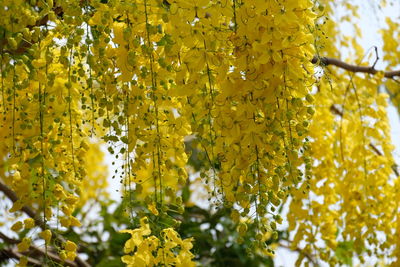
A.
pixel 236 128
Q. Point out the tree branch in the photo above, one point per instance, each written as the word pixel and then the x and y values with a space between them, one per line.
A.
pixel 326 61
pixel 29 211
pixel 35 249
pixel 14 254
pixel 38 221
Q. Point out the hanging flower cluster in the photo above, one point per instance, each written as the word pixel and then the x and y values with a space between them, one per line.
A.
pixel 234 77
pixel 148 250
pixel 143 75
pixel 352 204
pixel 45 150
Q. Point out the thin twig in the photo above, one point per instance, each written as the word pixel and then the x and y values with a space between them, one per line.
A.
pixel 377 56
pixel 299 250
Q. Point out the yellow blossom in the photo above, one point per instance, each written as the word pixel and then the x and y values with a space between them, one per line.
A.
pixel 29 223
pixel 153 209
pixel 71 255
pixel 23 261
pixel 16 227
pixel 74 221
pixel 46 235
pixel 58 191
pixel 70 246
pixel 24 244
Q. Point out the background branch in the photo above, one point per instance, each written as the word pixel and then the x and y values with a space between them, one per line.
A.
pixel 34 250
pixel 326 61
pixel 29 211
pixel 38 221
pixel 300 251
pixel 6 254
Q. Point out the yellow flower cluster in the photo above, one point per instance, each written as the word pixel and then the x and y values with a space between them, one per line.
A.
pixel 235 77
pixel 149 250
pixel 390 37
pixel 351 194
pixel 143 75
pixel 69 251
pixel 46 156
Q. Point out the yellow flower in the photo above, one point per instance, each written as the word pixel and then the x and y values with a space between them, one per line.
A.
pixel 153 209
pixel 65 221
pixel 24 245
pixel 136 235
pixel 29 223
pixel 16 176
pixel 85 145
pixel 17 226
pixel 23 261
pixel 129 260
pixel 70 246
pixel 71 255
pixel 46 235
pixel 187 244
pixel 71 200
pixel 66 210
pixel 75 222
pixel 38 63
pixel 58 191
pixel 242 229
pixel 63 255
pixel 16 206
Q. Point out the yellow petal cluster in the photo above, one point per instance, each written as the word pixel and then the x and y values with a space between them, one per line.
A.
pixel 144 249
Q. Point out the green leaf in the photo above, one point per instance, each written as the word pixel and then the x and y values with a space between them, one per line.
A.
pixel 344 252
pixel 33 162
pixel 110 262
